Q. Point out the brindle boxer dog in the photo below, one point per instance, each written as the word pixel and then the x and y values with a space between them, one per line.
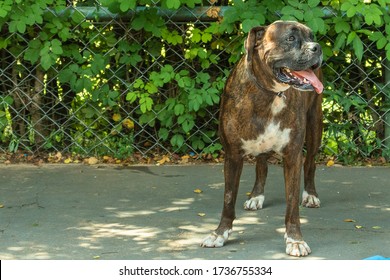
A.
pixel 270 105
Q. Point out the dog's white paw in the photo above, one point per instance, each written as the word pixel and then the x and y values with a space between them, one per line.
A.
pixel 296 248
pixel 215 240
pixel 254 203
pixel 310 201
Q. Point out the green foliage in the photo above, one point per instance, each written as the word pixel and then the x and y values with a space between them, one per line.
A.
pixel 168 77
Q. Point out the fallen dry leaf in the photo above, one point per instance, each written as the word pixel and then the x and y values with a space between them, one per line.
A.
pixel 68 160
pixel 184 159
pixel 358 227
pixel 164 159
pixel 198 191
pixel 376 227
pixel 91 160
pixel 349 221
pixel 58 157
pixel 201 214
pixel 55 158
pixel 330 163
pixel 1 206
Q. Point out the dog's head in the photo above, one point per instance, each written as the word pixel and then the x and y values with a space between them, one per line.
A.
pixel 288 52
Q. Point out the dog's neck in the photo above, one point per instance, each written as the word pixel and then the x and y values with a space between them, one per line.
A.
pixel 258 84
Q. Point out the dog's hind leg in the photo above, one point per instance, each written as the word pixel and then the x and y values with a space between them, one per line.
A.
pixel 256 198
pixel 232 172
pixel 313 142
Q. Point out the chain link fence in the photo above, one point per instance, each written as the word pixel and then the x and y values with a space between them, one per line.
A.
pixel 75 106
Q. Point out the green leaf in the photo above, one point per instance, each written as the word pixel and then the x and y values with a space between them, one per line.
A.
pixel 381 43
pixel 127 5
pixel 248 24
pixel 112 94
pixel 340 41
pixel 77 17
pixel 177 140
pixel 351 37
pixel 5 7
pixel 89 112
pixel 138 84
pixel 290 13
pixel 197 144
pixel 184 82
pixel 139 22
pixel 346 6
pixel 66 75
pixel 342 26
pixel 8 100
pixel 179 109
pixel 146 103
pixel 173 4
pixel 132 96
pixel 287 10
pixel 56 46
pixel 313 3
pixel 205 64
pixel 358 47
pixel 188 124
pixel 151 88
pixel 387 51
pixel 352 11
pixel 206 37
pixel 317 25
pixel 382 3
pixel 294 3
pixel 46 61
pixel 163 133
pixel 369 18
pixel 83 84
pixel 308 16
pixel 203 77
pixel 194 101
pixel 21 26
pixel 98 64
pixel 202 53
pixel 196 36
pixel 32 53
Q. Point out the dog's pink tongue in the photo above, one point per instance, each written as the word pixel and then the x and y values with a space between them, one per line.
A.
pixel 312 78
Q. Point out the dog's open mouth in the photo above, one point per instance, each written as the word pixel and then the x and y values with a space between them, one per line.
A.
pixel 302 80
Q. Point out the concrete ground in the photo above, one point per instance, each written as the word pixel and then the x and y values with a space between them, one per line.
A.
pixel 152 212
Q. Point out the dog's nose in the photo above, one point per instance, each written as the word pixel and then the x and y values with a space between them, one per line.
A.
pixel 313 47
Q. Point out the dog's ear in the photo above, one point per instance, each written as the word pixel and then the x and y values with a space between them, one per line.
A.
pixel 254 39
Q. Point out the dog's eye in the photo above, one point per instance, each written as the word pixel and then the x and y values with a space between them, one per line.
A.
pixel 291 38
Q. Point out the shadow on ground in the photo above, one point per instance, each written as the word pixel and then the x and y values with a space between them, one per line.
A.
pixel 152 212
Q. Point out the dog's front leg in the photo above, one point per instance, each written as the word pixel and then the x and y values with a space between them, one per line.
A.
pixel 295 246
pixel 232 172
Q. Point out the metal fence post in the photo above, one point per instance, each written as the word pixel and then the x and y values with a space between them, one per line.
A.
pixel 387 101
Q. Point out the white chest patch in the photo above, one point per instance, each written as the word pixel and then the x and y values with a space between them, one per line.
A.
pixel 277 105
pixel 273 139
